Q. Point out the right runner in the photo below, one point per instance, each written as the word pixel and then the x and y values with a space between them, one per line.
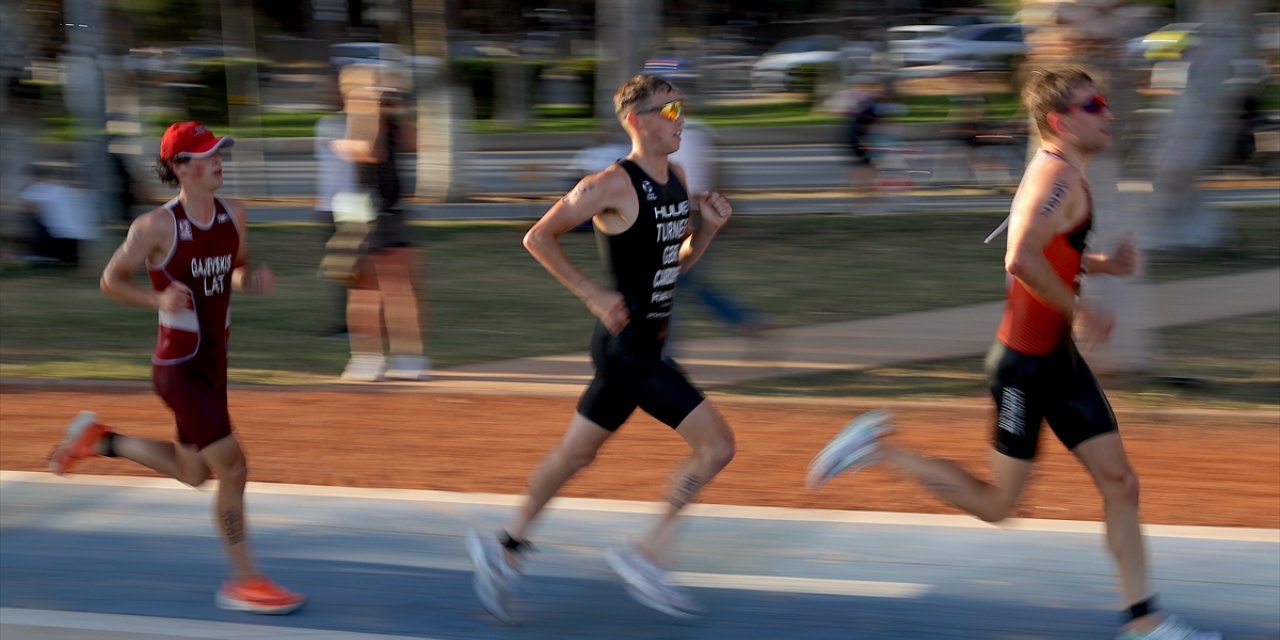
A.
pixel 1035 371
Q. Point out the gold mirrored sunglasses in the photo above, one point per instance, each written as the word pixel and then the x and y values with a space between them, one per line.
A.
pixel 669 110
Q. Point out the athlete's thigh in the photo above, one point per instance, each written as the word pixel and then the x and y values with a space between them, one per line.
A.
pixel 1011 476
pixel 1104 457
pixel 704 427
pixel 584 436
pixel 224 455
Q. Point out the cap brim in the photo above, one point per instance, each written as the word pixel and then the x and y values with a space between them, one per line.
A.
pixel 224 141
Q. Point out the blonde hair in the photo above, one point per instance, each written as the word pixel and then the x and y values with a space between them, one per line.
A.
pixel 1049 90
pixel 637 89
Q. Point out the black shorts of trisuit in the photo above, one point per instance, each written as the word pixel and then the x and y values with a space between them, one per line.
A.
pixel 632 372
pixel 1058 388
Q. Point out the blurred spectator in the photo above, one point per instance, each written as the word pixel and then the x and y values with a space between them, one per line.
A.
pixel 335 175
pixel 697 156
pixel 384 291
pixel 126 195
pixel 862 110
pixel 610 146
pixel 60 216
pixel 1247 118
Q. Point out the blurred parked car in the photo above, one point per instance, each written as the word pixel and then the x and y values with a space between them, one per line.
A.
pixel 982 45
pixel 917 43
pixel 781 67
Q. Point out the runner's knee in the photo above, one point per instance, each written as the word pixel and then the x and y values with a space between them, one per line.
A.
pixel 1119 486
pixel 717 455
pixel 1001 506
pixel 576 458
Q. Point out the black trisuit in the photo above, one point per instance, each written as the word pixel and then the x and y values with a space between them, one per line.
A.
pixel 643 263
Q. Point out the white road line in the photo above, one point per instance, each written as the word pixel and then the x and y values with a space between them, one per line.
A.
pixel 1236 534
pixel 174 627
pixel 814 586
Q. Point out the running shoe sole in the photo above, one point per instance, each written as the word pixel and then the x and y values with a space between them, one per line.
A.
pixel 492 596
pixel 640 588
pixel 852 449
pixel 231 604
pixel 75 429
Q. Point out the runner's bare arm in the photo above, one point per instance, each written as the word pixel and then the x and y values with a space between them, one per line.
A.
pixel 1124 260
pixel 596 193
pixel 148 236
pixel 364 122
pixel 245 277
pixel 1040 211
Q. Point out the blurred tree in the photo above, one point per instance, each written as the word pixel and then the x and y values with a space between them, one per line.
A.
pixel 171 21
pixel 1092 33
pixel 441 141
pixel 1197 133
pixel 1190 140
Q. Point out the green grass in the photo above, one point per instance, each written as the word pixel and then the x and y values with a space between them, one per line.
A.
pixel 487 299
pixel 931 108
pixel 1227 363
pixel 1255 245
pixel 570 118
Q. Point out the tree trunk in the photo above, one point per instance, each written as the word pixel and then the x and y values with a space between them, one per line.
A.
pixel 1196 133
pixel 625 31
pixel 442 109
pixel 244 102
pixel 15 120
pixel 84 94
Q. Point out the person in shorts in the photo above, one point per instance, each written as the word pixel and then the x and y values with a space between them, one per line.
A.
pixel 1035 372
pixel 641 212
pixel 195 252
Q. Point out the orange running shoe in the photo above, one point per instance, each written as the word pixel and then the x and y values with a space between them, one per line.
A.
pixel 258 595
pixel 81 441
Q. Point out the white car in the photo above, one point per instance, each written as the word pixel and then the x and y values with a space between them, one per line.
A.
pixel 917 44
pixel 982 45
pixel 781 68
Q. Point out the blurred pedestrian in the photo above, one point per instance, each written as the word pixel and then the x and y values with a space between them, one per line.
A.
pixel 641 211
pixel 124 191
pixel 1035 371
pixel 385 290
pixel 335 175
pixel 60 216
pixel 862 110
pixel 698 157
pixel 195 252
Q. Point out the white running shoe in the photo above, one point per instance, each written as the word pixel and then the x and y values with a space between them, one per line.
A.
pixel 856 446
pixel 1171 629
pixel 365 367
pixel 409 368
pixel 494 577
pixel 650 585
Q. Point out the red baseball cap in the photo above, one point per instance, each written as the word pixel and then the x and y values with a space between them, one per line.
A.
pixel 191 140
